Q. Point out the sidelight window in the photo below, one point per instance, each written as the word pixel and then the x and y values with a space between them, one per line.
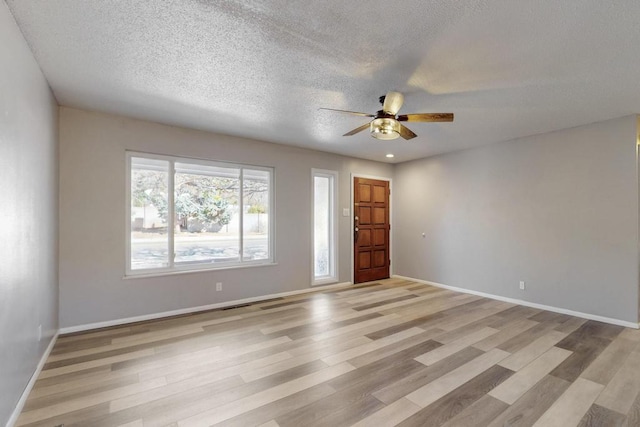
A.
pixel 324 226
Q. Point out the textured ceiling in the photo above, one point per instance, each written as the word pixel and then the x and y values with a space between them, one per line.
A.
pixel 261 69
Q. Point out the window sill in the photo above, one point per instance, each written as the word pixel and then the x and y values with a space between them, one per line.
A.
pixel 192 271
pixel 327 281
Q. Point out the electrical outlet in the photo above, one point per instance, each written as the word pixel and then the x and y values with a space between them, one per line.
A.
pixel 39 332
pixel 218 286
pixel 522 285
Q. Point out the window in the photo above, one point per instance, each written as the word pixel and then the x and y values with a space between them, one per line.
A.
pixel 188 214
pixel 324 226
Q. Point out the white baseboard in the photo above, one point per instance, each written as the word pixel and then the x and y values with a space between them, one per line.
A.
pixel 25 394
pixel 588 316
pixel 116 322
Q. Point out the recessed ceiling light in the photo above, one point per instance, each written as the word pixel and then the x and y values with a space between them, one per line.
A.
pixel 390 156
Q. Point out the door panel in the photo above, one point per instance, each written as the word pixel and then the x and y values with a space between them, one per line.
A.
pixel 371 240
pixel 379 215
pixel 379 195
pixel 365 192
pixel 365 215
pixel 380 238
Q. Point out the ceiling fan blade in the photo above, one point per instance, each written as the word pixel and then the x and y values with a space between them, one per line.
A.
pixel 355 113
pixel 426 117
pixel 358 129
pixel 406 133
pixel 392 102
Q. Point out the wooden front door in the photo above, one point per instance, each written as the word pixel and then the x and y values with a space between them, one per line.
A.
pixel 371 229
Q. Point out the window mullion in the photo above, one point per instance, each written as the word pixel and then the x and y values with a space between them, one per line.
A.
pixel 241 225
pixel 171 220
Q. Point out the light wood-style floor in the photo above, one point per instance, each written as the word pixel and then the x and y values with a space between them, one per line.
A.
pixel 382 354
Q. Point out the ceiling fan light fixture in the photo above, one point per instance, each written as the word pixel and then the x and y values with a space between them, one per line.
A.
pixel 385 128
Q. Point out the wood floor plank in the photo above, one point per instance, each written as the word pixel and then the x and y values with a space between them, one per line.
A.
pixel 62 396
pixel 232 409
pixel 399 346
pixel 353 390
pixel 68 385
pixel 520 341
pixel 413 323
pixel 605 366
pixel 630 334
pixel 389 309
pixel 515 329
pixel 75 418
pixel 306 355
pixel 433 391
pixel 186 405
pixel 439 305
pixel 384 302
pixel 455 346
pixel 633 416
pixel 348 414
pixel 355 327
pixel 526 410
pixel 571 406
pixel 378 296
pixel 172 388
pixel 469 318
pixel 390 415
pixel 527 354
pixel 583 355
pixel 570 325
pixel 95 363
pixel 590 331
pixel 480 414
pixel 620 393
pixel 400 388
pixel 165 410
pixel 84 401
pixel 369 347
pixel 280 407
pixel 458 399
pixel 512 389
pixel 225 367
pixel 598 416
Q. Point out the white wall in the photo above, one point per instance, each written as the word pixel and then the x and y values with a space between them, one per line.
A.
pixel 559 211
pixel 92 218
pixel 29 214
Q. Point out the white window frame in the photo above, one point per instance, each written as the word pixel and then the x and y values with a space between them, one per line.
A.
pixel 333 226
pixel 172 268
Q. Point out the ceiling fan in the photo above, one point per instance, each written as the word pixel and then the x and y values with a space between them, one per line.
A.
pixel 386 122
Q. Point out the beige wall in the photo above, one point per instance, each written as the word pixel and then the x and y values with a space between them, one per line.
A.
pixel 92 218
pixel 29 213
pixel 559 211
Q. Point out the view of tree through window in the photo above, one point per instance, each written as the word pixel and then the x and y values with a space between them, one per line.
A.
pixel 219 216
pixel 149 199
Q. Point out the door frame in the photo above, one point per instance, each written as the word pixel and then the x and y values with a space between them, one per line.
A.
pixel 352 215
